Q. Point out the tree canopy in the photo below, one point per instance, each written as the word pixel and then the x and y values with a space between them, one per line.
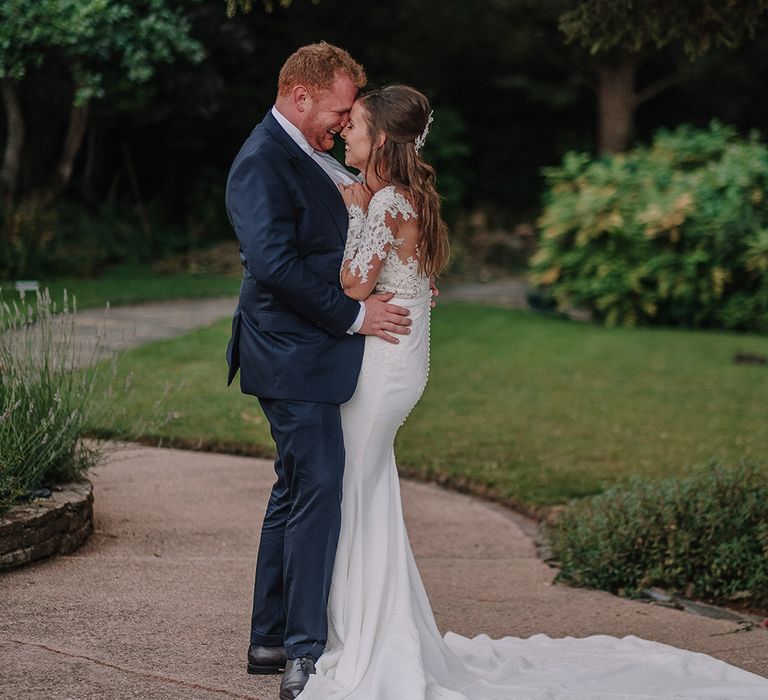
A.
pixel 98 43
pixel 233 6
pixel 635 25
pixel 93 38
pixel 108 97
pixel 625 33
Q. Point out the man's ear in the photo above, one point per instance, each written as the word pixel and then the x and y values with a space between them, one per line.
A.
pixel 302 100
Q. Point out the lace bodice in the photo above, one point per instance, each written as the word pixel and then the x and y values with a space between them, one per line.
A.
pixel 371 236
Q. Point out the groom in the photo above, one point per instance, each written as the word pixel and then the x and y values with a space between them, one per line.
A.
pixel 297 340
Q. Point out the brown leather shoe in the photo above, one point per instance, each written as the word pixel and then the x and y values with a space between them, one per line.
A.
pixel 297 673
pixel 265 660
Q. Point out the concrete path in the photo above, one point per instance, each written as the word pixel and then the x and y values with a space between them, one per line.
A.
pixel 509 292
pixel 157 603
pixel 123 327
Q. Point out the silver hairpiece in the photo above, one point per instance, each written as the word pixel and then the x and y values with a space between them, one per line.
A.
pixel 423 136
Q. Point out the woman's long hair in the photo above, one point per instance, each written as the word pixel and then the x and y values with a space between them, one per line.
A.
pixel 401 114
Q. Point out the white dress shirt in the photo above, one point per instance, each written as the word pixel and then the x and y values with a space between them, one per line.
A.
pixel 332 168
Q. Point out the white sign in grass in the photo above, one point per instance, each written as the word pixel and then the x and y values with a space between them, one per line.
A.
pixel 27 286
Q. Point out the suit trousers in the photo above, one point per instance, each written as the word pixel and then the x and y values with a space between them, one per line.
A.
pixel 301 528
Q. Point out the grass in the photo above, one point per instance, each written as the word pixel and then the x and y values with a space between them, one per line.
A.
pixel 526 409
pixel 134 284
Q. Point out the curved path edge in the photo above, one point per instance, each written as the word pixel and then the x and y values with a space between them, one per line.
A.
pixel 157 602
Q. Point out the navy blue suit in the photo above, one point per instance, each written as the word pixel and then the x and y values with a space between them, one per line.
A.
pixel 290 343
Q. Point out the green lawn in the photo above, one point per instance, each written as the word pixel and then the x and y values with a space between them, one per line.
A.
pixel 530 409
pixel 133 284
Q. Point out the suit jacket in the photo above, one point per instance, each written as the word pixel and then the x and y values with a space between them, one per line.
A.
pixel 289 331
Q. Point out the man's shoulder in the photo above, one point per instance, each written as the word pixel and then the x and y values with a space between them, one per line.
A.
pixel 261 153
pixel 262 144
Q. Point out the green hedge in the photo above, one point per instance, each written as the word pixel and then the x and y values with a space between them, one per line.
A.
pixel 673 233
pixel 704 535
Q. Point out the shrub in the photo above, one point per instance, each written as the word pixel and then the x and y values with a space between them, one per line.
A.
pixel 704 535
pixel 70 239
pixel 26 233
pixel 50 388
pixel 673 233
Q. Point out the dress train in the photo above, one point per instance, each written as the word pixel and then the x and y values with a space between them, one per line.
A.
pixel 383 641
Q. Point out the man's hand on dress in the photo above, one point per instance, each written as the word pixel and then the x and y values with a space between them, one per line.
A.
pixel 435 292
pixel 357 194
pixel 381 317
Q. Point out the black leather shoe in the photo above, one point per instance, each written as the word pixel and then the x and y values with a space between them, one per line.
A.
pixel 264 660
pixel 297 673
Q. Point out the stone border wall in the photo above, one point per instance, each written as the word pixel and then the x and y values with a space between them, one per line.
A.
pixel 55 525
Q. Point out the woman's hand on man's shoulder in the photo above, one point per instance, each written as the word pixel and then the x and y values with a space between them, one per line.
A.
pixel 357 194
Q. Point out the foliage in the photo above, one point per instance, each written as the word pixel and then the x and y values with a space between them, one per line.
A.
pixel 44 404
pixel 233 6
pixel 704 535
pixel 626 34
pixel 527 409
pixel 673 233
pixel 93 47
pixel 26 232
pixel 94 38
pixel 37 241
pixel 605 25
pixel 218 260
pixel 524 97
pixel 53 385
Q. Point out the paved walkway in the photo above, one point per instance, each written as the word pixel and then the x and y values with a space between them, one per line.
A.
pixel 100 332
pixel 509 292
pixel 122 327
pixel 156 604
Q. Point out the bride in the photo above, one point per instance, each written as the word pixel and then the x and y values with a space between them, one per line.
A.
pixel 383 642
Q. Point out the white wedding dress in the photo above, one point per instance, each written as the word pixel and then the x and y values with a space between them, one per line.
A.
pixel 383 643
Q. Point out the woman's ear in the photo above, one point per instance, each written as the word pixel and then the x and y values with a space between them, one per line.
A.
pixel 380 140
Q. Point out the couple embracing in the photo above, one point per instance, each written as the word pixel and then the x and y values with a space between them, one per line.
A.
pixel 332 335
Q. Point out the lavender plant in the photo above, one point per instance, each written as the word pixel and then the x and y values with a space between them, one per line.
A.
pixel 49 388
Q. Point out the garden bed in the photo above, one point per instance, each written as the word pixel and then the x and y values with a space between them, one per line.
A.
pixel 58 524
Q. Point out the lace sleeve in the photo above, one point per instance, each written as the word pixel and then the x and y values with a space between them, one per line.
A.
pixel 367 238
pixel 372 236
pixel 355 232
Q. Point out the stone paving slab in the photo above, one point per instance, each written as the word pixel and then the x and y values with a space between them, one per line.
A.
pixel 156 604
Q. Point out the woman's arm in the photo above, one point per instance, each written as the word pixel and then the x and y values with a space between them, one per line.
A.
pixel 369 239
pixel 357 283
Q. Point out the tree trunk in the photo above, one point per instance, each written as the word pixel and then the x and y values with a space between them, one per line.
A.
pixel 146 227
pixel 617 101
pixel 91 166
pixel 62 173
pixel 14 144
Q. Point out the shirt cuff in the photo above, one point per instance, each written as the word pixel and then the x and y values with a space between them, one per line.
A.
pixel 358 324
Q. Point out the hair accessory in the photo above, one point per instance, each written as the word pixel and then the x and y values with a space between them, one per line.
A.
pixel 421 138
